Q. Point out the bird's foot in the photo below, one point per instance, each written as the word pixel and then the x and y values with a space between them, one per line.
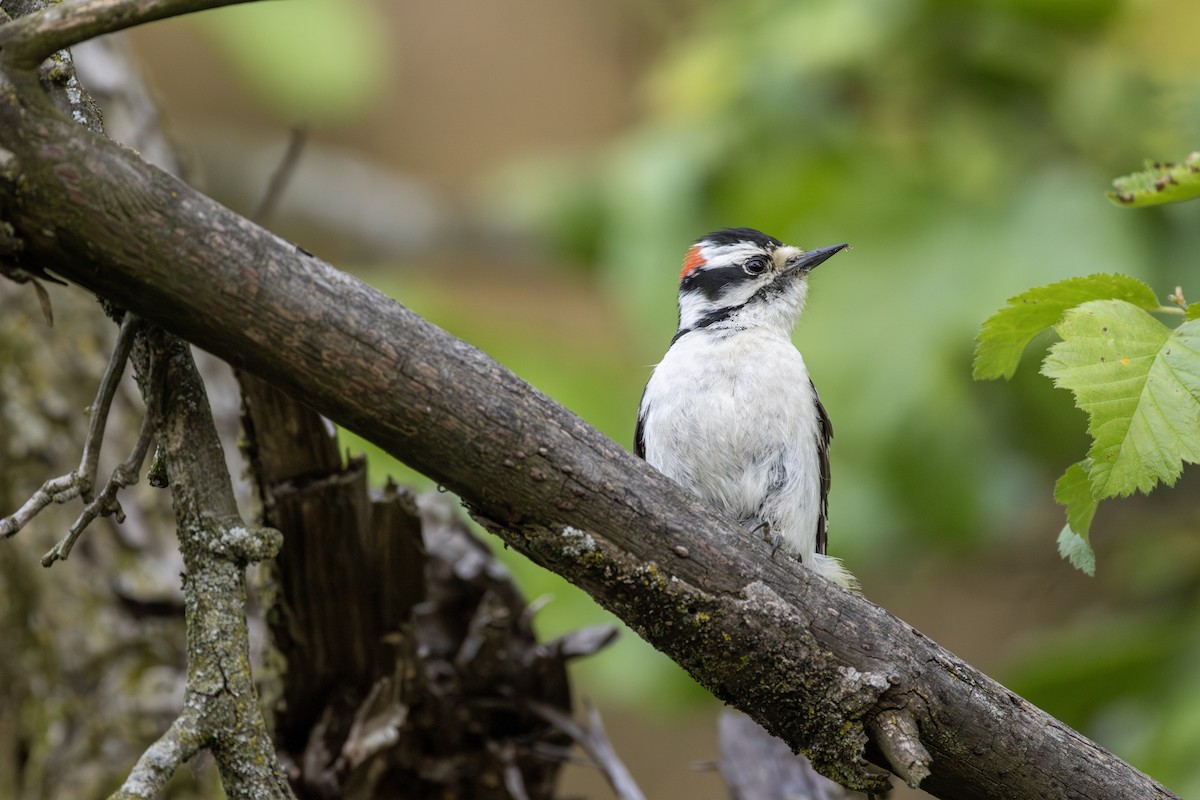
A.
pixel 776 540
pixel 768 535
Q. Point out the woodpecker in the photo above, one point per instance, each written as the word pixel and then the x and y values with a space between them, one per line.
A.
pixel 730 412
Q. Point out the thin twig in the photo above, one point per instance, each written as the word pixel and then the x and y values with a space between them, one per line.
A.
pixel 595 743
pixel 55 490
pixel 81 481
pixel 158 763
pixel 514 781
pixel 376 727
pixel 44 301
pixel 31 39
pixel 559 755
pixel 282 175
pixel 126 474
pixel 99 409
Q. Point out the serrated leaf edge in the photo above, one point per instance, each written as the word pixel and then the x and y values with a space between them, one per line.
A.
pixel 1076 549
pixel 1036 295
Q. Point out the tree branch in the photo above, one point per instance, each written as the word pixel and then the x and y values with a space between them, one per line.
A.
pixel 156 766
pixel 811 662
pixel 126 474
pixel 758 766
pixel 592 739
pixel 895 731
pixel 31 39
pixel 221 710
pixel 81 481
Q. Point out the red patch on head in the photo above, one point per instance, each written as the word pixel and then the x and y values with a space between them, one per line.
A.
pixel 692 261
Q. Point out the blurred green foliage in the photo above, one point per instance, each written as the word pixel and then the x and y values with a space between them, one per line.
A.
pixel 964 149
pixel 306 60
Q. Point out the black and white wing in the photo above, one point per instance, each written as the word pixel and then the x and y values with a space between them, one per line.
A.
pixel 824 436
pixel 639 433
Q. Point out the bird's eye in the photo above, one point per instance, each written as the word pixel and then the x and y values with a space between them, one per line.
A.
pixel 755 265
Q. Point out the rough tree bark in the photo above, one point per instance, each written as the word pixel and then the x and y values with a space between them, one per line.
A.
pixel 412 667
pixel 826 670
pixel 220 708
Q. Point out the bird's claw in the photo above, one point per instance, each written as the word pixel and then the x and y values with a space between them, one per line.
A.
pixel 768 535
pixel 776 540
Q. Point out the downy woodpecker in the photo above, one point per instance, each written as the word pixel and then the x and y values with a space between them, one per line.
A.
pixel 730 412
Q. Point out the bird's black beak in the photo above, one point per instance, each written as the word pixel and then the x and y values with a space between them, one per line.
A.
pixel 812 258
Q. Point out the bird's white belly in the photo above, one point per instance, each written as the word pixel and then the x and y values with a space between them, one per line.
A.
pixel 734 420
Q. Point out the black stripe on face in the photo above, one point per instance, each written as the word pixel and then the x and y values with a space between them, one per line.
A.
pixel 712 318
pixel 712 282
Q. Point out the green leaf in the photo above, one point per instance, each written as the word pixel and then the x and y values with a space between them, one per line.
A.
pixel 1074 490
pixel 1077 550
pixel 1192 311
pixel 1158 184
pixel 1139 382
pixel 1006 333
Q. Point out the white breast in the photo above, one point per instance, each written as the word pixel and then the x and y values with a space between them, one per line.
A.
pixel 731 415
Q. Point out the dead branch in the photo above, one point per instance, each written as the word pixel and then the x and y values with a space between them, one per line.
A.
pixel 126 474
pixel 31 39
pixel 159 762
pixel 895 731
pixel 80 482
pixel 221 710
pixel 758 766
pixel 593 740
pixel 281 176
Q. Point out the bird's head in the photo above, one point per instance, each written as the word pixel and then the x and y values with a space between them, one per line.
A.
pixel 746 277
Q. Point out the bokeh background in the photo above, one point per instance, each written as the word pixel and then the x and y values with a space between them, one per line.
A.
pixel 528 174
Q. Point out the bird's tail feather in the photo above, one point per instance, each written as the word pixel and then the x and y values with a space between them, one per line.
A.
pixel 831 568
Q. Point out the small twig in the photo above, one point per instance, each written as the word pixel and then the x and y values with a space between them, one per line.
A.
pixel 44 301
pixel 31 39
pixel 282 174
pixel 156 766
pixel 558 755
pixel 55 490
pixel 375 727
pixel 104 397
pixel 595 743
pixel 81 481
pixel 514 780
pixel 126 474
pixel 10 248
pixel 895 731
pixel 582 641
pixel 1177 298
